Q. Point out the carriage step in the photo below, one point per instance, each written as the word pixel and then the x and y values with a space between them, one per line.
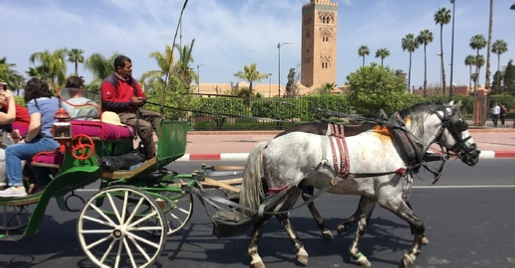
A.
pixel 20 201
pixel 127 174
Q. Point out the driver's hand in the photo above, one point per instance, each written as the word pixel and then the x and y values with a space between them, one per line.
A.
pixel 136 101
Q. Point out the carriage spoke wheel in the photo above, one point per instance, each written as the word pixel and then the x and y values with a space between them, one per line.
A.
pixel 119 232
pixel 180 215
pixel 14 217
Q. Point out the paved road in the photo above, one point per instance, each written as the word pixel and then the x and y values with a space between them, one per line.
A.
pixel 468 216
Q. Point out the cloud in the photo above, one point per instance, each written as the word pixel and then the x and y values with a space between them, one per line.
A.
pixel 231 34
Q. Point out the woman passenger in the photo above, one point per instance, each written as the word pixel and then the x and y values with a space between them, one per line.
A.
pixel 42 108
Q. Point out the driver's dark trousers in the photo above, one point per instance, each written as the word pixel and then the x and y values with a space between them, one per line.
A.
pixel 148 121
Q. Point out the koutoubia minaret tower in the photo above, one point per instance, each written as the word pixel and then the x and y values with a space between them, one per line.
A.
pixel 319 39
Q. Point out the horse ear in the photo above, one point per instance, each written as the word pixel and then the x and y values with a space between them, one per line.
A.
pixel 451 103
pixel 457 106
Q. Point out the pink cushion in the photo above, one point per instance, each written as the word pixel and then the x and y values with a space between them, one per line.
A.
pixel 23 129
pixel 53 158
pixel 100 129
pixel 91 128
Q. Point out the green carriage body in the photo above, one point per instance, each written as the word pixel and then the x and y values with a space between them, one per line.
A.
pixel 74 174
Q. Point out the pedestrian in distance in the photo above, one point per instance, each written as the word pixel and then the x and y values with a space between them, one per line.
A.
pixel 502 114
pixel 496 110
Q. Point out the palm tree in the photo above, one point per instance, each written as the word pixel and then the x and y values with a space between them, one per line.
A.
pixel 499 47
pixel 425 37
pixel 442 17
pixel 53 66
pixel 165 62
pixel 75 56
pixel 363 51
pixel 10 76
pixel 326 88
pixel 382 53
pixel 101 67
pixel 490 22
pixel 477 42
pixel 480 61
pixel 470 61
pixel 409 43
pixel 182 67
pixel 250 74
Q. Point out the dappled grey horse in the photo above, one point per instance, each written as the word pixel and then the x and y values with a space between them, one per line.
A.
pixel 373 167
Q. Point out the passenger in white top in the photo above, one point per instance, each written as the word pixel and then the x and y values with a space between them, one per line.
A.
pixel 77 106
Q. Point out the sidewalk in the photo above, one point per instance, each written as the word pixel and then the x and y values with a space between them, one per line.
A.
pixel 235 145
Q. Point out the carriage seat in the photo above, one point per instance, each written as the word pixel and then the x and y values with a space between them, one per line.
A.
pixel 94 129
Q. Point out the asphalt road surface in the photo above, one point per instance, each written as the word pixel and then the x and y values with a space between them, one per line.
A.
pixel 469 217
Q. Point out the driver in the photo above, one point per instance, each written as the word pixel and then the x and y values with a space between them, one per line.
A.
pixel 122 94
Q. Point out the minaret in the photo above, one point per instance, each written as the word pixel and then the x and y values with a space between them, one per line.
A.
pixel 319 39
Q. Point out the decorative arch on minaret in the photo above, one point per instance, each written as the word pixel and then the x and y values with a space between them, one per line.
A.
pixel 326 34
pixel 325 61
pixel 326 17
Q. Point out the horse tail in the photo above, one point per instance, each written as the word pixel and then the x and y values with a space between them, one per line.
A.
pixel 251 187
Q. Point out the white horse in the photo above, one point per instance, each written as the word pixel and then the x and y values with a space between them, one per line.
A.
pixel 379 169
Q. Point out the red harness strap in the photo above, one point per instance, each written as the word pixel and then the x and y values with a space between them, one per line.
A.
pixel 337 140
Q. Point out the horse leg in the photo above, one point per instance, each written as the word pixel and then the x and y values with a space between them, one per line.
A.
pixel 252 250
pixel 302 255
pixel 348 223
pixel 307 193
pixel 425 241
pixel 402 210
pixel 366 207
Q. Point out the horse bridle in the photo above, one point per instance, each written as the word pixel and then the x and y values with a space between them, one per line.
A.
pixel 455 124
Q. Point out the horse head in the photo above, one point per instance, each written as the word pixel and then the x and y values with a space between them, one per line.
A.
pixel 455 135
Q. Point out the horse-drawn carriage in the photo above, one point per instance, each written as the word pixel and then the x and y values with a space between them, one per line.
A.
pixel 127 221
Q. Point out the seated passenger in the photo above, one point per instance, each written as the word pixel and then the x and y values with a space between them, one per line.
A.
pixel 42 108
pixel 73 101
pixel 5 118
pixel 17 125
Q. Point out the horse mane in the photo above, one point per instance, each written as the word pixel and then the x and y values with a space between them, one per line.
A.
pixel 425 107
pixel 418 112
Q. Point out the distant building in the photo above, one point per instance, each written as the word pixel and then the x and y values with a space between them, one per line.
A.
pixel 319 43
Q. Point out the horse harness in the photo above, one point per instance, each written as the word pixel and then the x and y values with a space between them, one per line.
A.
pixel 336 136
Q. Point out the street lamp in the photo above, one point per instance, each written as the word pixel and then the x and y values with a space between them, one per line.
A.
pixel 512 7
pixel 198 77
pixel 269 84
pixel 279 73
pixel 452 50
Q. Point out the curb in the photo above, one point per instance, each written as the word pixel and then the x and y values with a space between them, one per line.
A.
pixel 243 156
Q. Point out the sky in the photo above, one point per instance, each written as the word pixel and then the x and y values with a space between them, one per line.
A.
pixel 232 33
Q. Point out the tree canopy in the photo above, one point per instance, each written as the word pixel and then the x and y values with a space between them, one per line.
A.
pixel 376 87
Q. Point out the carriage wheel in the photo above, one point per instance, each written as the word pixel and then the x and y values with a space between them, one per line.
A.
pixel 119 232
pixel 14 217
pixel 179 216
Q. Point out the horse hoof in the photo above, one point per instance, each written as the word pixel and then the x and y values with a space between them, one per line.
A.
pixel 326 233
pixel 257 264
pixel 302 257
pixel 340 229
pixel 363 261
pixel 407 260
pixel 425 241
